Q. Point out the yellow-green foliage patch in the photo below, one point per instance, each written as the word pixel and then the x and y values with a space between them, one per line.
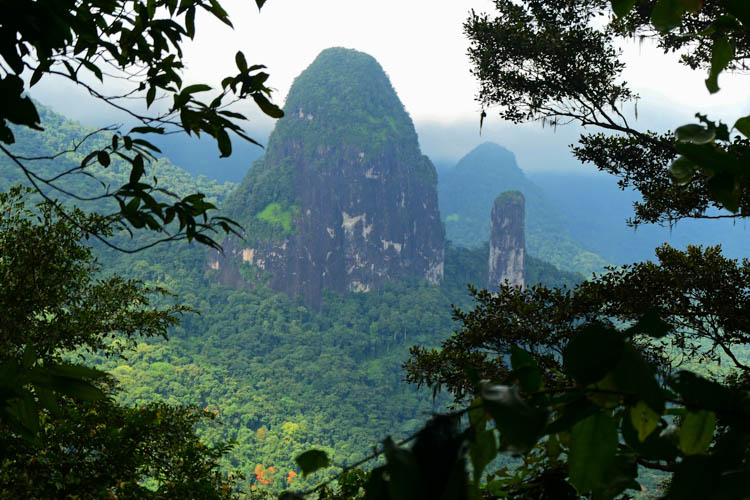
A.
pixel 275 214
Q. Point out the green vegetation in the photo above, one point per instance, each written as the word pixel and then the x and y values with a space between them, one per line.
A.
pixel 511 196
pixel 281 377
pixel 588 384
pixel 61 432
pixel 275 215
pixel 347 100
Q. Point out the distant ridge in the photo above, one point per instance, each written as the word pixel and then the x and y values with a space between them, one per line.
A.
pixel 466 194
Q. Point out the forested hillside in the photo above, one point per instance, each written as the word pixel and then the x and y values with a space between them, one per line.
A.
pixel 281 377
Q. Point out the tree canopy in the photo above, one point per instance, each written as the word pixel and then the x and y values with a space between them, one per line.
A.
pixel 63 434
pixel 556 62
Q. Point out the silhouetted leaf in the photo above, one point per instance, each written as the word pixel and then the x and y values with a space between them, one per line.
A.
pixel 667 14
pixel 622 7
pixel 651 324
pixel 311 461
pixel 592 353
pixel 743 126
pixel 103 158
pixel 267 106
pixel 721 55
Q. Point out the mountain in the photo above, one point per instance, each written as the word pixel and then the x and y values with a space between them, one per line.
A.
pixel 507 240
pixel 467 193
pixel 343 199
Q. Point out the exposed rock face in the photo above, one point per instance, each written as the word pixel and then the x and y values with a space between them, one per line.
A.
pixel 343 198
pixel 507 240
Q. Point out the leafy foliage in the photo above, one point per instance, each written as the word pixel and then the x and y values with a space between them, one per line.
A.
pixel 572 73
pixel 139 43
pixel 62 432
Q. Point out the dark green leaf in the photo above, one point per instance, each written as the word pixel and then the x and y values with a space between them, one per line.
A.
pixel 694 477
pixel 75 371
pixel 377 487
pixel 76 388
pixel 721 55
pixel 697 431
pixel 655 447
pixel 667 15
pixel 224 143
pixel 682 170
pixel 403 470
pixel 743 126
pixel 192 89
pixel 571 414
pixel 739 9
pixel 190 22
pixel 103 158
pixel 592 353
pixel 267 106
pixel 26 414
pixel 137 170
pixel 482 451
pixel 525 369
pixel 241 62
pixel 260 3
pixel 651 324
pixel 702 393
pixel 311 461
pixel 644 420
pixel 29 356
pixel 47 400
pixel 146 130
pixel 288 495
pixel 150 96
pixel 622 7
pixel 697 134
pixel 93 68
pixel 620 476
pixel 723 188
pixel 634 375
pixel 593 444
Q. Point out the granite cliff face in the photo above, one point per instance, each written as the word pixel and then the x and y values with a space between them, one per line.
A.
pixel 507 240
pixel 343 198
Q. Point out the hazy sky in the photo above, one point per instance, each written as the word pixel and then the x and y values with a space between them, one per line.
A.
pixel 421 46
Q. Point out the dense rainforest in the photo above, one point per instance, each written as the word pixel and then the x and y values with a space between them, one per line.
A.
pixel 282 377
pixel 114 318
